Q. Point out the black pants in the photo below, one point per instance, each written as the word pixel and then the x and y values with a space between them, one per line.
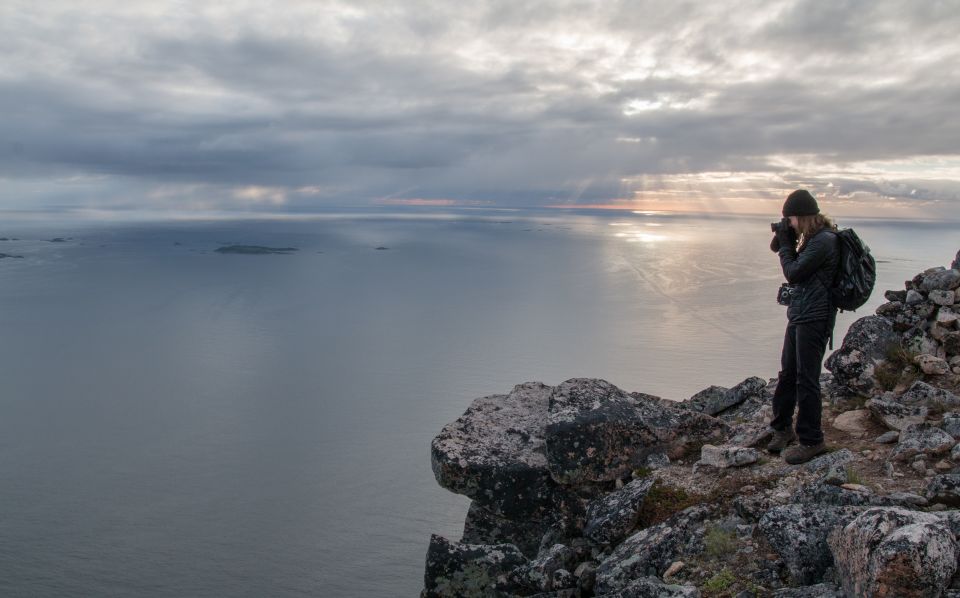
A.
pixel 799 383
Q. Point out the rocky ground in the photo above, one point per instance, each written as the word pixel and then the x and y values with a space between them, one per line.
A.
pixel 584 489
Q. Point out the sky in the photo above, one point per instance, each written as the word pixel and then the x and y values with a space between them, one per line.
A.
pixel 294 106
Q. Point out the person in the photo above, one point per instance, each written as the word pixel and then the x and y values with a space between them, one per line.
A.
pixel 809 257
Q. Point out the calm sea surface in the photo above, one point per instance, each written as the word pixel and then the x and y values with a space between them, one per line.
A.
pixel 180 422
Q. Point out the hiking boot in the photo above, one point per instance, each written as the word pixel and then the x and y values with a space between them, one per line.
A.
pixel 803 453
pixel 780 440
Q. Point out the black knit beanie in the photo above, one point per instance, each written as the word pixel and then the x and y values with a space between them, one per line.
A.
pixel 800 203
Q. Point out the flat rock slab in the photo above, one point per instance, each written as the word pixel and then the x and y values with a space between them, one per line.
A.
pixel 651 587
pixel 715 399
pixel 895 415
pixel 921 393
pixel 855 422
pixel 494 454
pixel 597 432
pixel 723 457
pixel 889 551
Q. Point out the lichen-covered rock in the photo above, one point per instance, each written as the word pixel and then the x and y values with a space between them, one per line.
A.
pixel 649 551
pixel 597 432
pixel 723 457
pixel 889 551
pixel 864 346
pixel 951 423
pixel 546 572
pixel 951 343
pixel 651 587
pixel 456 570
pixel 715 399
pixel 481 526
pixel 494 454
pixel 888 437
pixel 921 439
pixel 896 415
pixel 921 393
pixel 827 460
pixel 944 488
pixel 932 365
pixel 956 262
pixel 891 295
pixel 825 493
pixel 798 532
pixel 944 280
pixel 941 297
pixel 610 518
pixel 913 297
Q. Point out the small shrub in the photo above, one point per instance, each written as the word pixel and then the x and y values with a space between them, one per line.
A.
pixel 719 542
pixel 719 582
pixel 853 476
pixel 662 501
pixel 642 472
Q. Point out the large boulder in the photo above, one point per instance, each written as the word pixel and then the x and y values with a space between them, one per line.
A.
pixel 956 262
pixel 889 551
pixel 798 532
pixel 864 346
pixel 597 432
pixel 456 570
pixel 716 399
pixel 649 551
pixel 921 439
pixel 610 518
pixel 494 454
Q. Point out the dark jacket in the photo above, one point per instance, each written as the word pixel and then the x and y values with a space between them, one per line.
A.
pixel 811 271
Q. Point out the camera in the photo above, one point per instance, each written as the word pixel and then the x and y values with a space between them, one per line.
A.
pixel 785 294
pixel 783 225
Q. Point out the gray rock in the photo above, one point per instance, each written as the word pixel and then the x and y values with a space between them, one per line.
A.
pixel 830 494
pixel 944 488
pixel 657 461
pixel 651 587
pixel 889 551
pixel 864 346
pixel 481 526
pixel 955 453
pixel 649 551
pixel 544 572
pixel 610 518
pixel 896 415
pixel 597 432
pixel 798 532
pixel 956 262
pixel 921 393
pixel 835 475
pixel 942 297
pixel 827 460
pixel 951 343
pixel 951 424
pixel 913 297
pixel 932 365
pixel 456 570
pixel 716 399
pixel 921 439
pixel 723 457
pixel 820 590
pixel 888 437
pixel 944 280
pixel 494 454
pixel 900 296
pixel 890 310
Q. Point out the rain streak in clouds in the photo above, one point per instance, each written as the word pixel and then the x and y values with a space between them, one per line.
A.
pixel 298 105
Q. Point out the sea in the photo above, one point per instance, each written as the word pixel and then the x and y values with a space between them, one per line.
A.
pixel 178 421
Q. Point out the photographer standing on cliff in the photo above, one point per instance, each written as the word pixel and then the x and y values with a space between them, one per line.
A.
pixel 806 242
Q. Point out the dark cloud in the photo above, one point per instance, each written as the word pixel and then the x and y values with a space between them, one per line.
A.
pixel 509 102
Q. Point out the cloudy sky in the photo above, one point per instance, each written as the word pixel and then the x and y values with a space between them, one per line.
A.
pixel 296 105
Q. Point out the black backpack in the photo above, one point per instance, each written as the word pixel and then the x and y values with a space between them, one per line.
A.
pixel 856 272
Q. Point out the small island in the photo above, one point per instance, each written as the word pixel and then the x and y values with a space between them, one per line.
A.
pixel 256 250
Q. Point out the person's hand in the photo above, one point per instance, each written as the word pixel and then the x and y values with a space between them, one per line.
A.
pixel 774 244
pixel 786 236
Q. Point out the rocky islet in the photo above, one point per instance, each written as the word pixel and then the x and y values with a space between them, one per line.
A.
pixel 584 489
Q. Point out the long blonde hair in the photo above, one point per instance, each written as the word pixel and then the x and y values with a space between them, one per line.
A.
pixel 811 225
